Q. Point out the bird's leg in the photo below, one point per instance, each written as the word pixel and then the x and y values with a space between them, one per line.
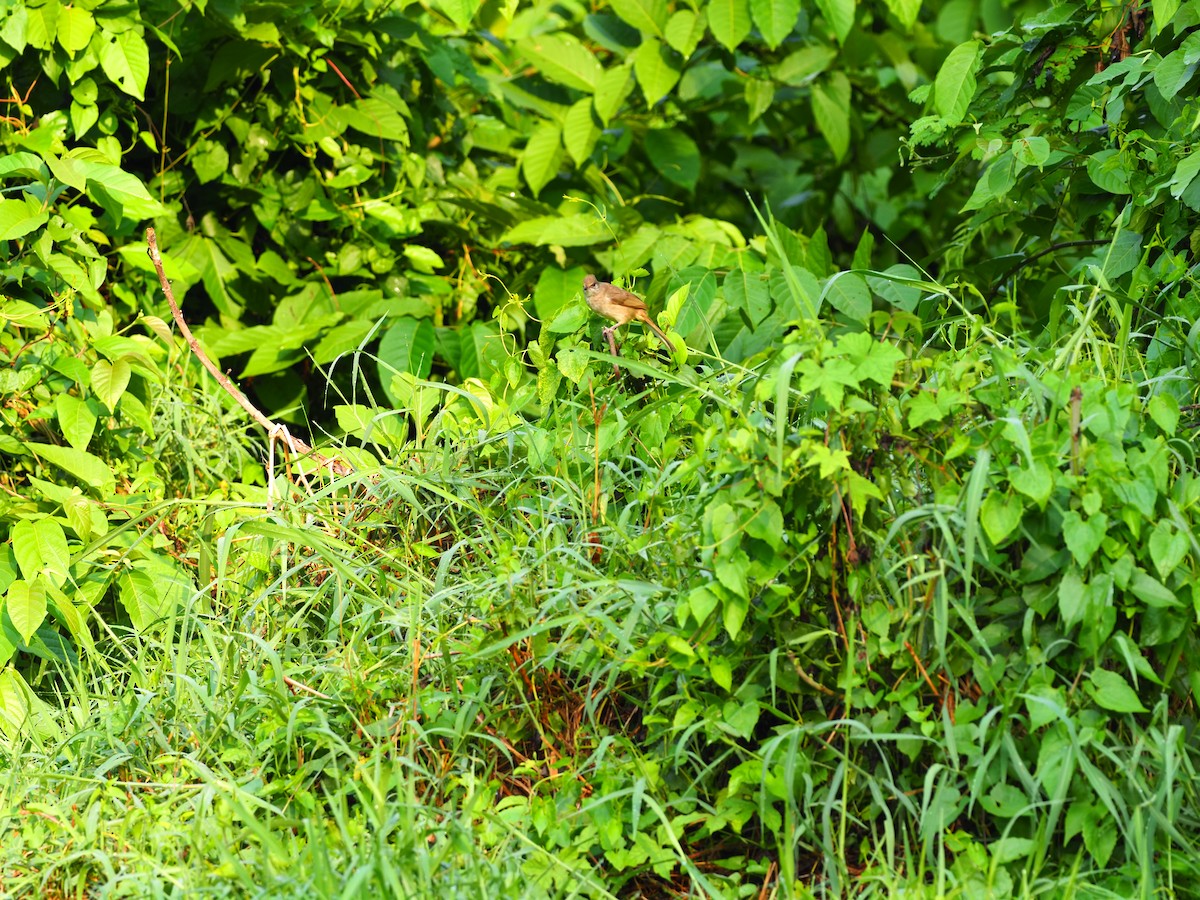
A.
pixel 612 345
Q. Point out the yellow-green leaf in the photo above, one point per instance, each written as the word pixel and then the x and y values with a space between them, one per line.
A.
pixel 542 156
pixel 109 381
pixel 656 69
pixel 729 21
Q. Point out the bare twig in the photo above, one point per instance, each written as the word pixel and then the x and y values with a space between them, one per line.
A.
pixel 301 686
pixel 274 430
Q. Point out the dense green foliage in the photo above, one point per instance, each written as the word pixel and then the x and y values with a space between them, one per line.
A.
pixel 883 579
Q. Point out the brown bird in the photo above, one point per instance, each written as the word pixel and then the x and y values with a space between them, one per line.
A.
pixel 621 307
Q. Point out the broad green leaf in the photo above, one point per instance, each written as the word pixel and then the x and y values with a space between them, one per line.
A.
pixel 729 21
pixel 1034 482
pixel 748 291
pixel 831 110
pixel 839 15
pixel 555 289
pixel 612 89
pixel 377 118
pixel 721 672
pixel 406 346
pixel 572 363
pixel 802 66
pixel 120 193
pixel 76 419
pixel 657 70
pixel 776 19
pixel 1164 11
pixel 1185 173
pixel 89 469
pixel 1083 537
pixel 41 549
pixel 125 59
pixel 684 31
pixel 75 28
pixel 645 15
pixel 1109 171
pixel 1031 151
pixel 1072 598
pixel 674 155
pixel 1000 514
pixel 954 87
pixel 578 230
pixel 759 95
pixel 848 293
pixel 580 131
pixel 905 11
pixel 1164 410
pixel 1151 591
pixel 1111 691
pixel 139 597
pixel 20 216
pixel 460 12
pixel 562 59
pixel 733 614
pixel 542 156
pixel 25 604
pixel 109 381
pixel 21 710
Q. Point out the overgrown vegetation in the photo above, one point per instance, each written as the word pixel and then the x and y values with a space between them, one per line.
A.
pixel 887 584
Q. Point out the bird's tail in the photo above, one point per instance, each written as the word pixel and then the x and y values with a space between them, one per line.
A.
pixel 661 334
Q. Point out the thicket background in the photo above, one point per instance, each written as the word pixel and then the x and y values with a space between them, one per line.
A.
pixel 888 583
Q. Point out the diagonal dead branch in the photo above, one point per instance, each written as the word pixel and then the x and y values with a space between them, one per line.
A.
pixel 274 430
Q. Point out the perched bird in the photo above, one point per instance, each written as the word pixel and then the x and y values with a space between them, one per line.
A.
pixel 620 306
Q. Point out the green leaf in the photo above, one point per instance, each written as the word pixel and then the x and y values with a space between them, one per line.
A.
pixel 572 362
pixel 1109 171
pixel 41 549
pixel 831 110
pixel 1031 151
pixel 614 86
pixel 542 156
pixel 20 216
pixel 1164 410
pixel 1034 482
pixel 406 346
pixel 839 15
pixel 25 604
pixel 89 469
pixel 125 59
pixel 75 28
pixel 121 194
pixel 729 21
pixel 954 86
pixel 1082 537
pixel 760 93
pixel 674 155
pixel 905 11
pixel 802 66
pixel 460 12
pixel 848 293
pixel 580 131
pixel 76 419
pixel 1072 598
pixel 1111 691
pixel 1152 592
pixel 563 59
pixel 721 672
pixel 656 69
pixel 684 31
pixel 109 381
pixel 1000 514
pixel 555 289
pixel 776 19
pixel 578 230
pixel 644 15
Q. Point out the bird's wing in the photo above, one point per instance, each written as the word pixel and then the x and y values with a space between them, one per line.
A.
pixel 628 300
